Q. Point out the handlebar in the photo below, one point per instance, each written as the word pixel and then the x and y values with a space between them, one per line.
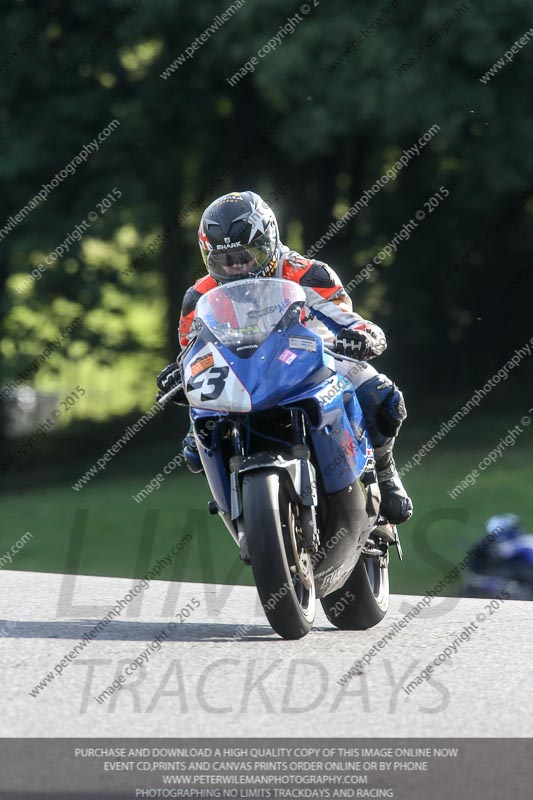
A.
pixel 170 394
pixel 330 352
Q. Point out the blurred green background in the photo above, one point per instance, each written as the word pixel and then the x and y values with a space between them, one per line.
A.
pixel 319 121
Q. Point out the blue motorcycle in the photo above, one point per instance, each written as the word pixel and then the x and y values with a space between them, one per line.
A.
pixel 287 457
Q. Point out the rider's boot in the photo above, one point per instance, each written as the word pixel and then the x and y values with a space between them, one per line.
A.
pixel 192 456
pixel 396 504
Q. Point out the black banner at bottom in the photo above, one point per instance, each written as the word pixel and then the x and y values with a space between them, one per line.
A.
pixel 405 769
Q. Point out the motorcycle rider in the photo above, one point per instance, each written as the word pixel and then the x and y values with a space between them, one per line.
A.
pixel 503 559
pixel 239 238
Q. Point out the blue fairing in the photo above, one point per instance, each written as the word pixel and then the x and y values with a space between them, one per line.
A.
pixel 288 369
pixel 340 439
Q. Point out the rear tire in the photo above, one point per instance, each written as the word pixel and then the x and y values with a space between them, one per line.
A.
pixel 270 518
pixel 368 585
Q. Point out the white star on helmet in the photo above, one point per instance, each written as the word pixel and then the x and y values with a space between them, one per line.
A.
pixel 256 221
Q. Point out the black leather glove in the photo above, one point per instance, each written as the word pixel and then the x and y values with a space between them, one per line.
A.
pixel 365 342
pixel 167 379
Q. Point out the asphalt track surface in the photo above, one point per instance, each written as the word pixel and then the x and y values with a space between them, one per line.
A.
pixel 223 672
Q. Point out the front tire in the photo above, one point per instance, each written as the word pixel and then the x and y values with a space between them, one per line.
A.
pixel 283 572
pixel 363 601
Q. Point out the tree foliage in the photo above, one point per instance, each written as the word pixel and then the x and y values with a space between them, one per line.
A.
pixel 446 295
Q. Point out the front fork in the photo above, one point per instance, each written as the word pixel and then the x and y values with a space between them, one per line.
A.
pixel 298 468
pixel 307 512
pixel 233 523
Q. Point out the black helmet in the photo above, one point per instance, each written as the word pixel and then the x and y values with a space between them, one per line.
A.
pixel 239 238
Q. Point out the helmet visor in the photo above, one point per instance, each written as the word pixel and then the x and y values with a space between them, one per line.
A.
pixel 237 263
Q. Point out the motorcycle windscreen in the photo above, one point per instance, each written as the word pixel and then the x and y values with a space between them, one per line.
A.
pixel 244 313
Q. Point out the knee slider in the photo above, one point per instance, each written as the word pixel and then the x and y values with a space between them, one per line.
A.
pixel 380 397
pixel 391 413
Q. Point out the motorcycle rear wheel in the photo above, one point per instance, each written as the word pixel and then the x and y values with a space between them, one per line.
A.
pixel 283 572
pixel 369 587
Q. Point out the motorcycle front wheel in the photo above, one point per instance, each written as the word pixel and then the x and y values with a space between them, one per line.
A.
pixel 283 572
